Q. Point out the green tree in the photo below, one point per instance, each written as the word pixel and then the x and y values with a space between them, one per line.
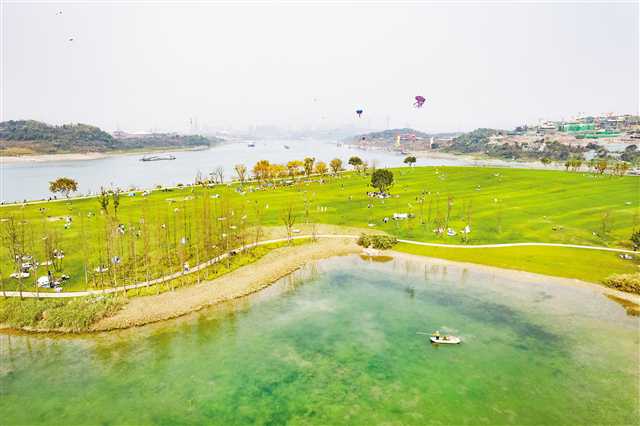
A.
pixel 601 166
pixel 382 179
pixel 308 165
pixel 410 160
pixel 355 162
pixel 336 165
pixel 294 167
pixel 261 170
pixel 63 185
pixel 321 168
pixel 545 161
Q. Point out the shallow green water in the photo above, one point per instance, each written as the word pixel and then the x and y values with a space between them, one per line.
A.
pixel 337 344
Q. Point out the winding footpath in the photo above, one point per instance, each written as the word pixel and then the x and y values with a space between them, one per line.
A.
pixel 32 294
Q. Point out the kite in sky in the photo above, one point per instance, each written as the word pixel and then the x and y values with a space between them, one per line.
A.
pixel 420 100
pixel 359 112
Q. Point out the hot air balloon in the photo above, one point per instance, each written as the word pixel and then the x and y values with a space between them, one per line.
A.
pixel 420 100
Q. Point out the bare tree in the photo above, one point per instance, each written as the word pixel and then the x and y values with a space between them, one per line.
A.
pixel 289 219
pixel 104 200
pixel 199 179
pixel 258 212
pixel 15 244
pixel 420 200
pixel 241 171
pixel 115 195
pixel 449 207
pixel 218 174
pixel 606 222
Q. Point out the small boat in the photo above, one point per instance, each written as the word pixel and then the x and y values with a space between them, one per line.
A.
pixel 449 340
pixel 157 157
pixel 251 145
pixel 438 338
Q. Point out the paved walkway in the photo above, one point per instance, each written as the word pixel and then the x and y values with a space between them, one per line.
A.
pixel 31 294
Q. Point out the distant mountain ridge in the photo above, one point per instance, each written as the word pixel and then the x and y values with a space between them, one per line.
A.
pixel 25 137
pixel 391 134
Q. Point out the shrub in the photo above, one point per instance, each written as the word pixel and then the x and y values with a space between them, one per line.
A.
pixel 380 242
pixel 74 314
pixel 624 282
pixel 635 240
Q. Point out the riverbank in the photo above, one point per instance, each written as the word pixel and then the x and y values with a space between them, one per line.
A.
pixel 252 278
pixel 466 159
pixel 484 161
pixel 242 282
pixel 86 156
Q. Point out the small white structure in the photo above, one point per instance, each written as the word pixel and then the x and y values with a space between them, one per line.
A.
pixel 400 216
pixel 20 275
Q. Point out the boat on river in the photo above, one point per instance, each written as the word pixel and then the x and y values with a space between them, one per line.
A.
pixel 448 340
pixel 157 157
pixel 438 338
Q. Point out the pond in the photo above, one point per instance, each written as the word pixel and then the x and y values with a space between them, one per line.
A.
pixel 337 343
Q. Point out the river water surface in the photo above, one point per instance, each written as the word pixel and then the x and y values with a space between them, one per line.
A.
pixel 336 343
pixel 30 179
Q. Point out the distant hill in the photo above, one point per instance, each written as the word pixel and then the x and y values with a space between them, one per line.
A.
pixel 474 141
pixel 25 137
pixel 390 134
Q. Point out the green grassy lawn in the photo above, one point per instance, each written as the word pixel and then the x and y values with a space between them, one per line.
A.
pixel 165 229
pixel 586 265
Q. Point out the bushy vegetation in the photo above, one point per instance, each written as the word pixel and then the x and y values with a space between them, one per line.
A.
pixel 478 141
pixel 391 134
pixel 474 141
pixel 75 314
pixel 380 242
pixel 624 282
pixel 23 137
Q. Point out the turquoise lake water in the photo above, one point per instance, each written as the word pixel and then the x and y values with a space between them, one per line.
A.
pixel 336 343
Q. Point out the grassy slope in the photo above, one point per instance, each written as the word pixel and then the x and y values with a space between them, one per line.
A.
pixel 508 205
pixel 586 265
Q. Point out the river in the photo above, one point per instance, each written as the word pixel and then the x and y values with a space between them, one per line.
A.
pixel 29 180
pixel 337 343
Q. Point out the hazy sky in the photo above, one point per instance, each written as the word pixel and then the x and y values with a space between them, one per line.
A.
pixel 138 66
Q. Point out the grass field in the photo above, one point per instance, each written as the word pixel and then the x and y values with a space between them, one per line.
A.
pixel 586 265
pixel 167 228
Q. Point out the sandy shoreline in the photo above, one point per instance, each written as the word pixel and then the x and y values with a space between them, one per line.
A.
pixel 86 156
pixel 280 262
pixel 241 282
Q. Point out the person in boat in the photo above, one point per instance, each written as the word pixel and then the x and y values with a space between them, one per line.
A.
pixel 436 334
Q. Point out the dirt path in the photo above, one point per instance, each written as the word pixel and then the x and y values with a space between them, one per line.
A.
pixel 241 282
